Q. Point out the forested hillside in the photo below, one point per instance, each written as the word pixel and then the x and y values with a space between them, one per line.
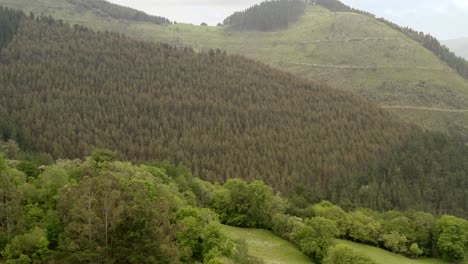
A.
pixel 267 16
pixel 222 115
pixel 105 8
pixel 347 50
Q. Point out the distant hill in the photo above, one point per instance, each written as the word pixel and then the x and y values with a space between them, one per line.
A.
pixel 348 50
pixel 105 8
pixel 459 46
pixel 267 16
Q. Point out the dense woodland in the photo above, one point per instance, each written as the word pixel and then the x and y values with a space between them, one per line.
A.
pixel 429 42
pixel 9 21
pixel 267 16
pixel 226 118
pixel 223 116
pixel 119 12
pixel 101 210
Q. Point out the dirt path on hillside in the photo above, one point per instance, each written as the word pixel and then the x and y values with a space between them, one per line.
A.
pixel 426 108
pixel 347 66
pixel 348 40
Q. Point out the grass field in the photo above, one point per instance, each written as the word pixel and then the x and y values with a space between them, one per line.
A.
pixel 385 257
pixel 267 246
pixel 275 250
pixel 348 51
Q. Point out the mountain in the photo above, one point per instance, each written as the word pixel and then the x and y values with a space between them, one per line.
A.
pixel 459 46
pixel 222 115
pixel 349 50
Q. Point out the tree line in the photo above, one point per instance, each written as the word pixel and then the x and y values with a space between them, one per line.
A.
pixel 267 16
pixel 9 20
pixel 313 229
pixel 106 8
pixel 102 210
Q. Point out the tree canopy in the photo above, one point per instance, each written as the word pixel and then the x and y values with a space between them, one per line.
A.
pixel 267 16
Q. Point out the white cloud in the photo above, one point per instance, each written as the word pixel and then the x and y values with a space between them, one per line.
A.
pixel 463 4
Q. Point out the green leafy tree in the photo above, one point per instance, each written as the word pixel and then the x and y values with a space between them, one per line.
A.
pixel 315 237
pixel 396 242
pixel 33 245
pixel 50 182
pixel 333 212
pixel 341 254
pixel 415 251
pixel 246 205
pixel 10 205
pixel 363 228
pixel 451 235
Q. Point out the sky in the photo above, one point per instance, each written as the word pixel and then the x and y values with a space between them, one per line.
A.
pixel 445 19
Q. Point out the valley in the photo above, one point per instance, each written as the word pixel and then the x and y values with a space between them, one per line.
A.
pixel 296 132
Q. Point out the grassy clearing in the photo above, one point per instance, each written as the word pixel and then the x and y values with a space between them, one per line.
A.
pixel 275 250
pixel 385 257
pixel 268 246
pixel 395 70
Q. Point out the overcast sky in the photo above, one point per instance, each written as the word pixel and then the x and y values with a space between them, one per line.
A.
pixel 446 19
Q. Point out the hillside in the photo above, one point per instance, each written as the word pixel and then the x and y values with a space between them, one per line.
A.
pixel 223 115
pixel 459 46
pixel 349 51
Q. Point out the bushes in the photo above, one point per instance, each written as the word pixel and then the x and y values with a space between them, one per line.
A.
pixel 315 237
pixel 342 254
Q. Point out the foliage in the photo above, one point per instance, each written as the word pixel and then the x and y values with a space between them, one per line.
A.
pixel 32 246
pixel 10 205
pixel 262 123
pixel 415 251
pixel 315 237
pixel 427 173
pixel 9 21
pixel 77 212
pixel 396 242
pixel 363 228
pixel 451 238
pixel 333 212
pixel 267 16
pixel 119 12
pixel 246 204
pixel 341 254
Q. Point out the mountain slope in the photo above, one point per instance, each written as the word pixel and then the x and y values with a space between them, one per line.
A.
pixel 459 46
pixel 349 51
pixel 225 116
